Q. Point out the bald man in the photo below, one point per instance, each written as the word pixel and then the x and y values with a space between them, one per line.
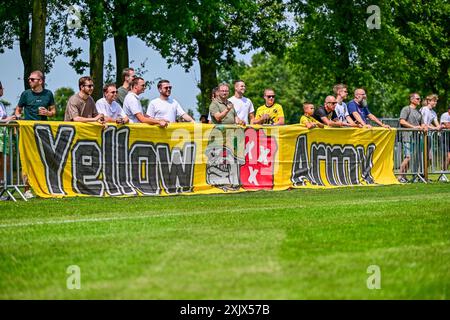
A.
pixel 359 111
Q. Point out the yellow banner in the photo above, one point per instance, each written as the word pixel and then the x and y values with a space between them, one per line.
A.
pixel 83 159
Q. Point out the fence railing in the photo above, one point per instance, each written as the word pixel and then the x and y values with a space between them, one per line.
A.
pixel 11 178
pixel 417 155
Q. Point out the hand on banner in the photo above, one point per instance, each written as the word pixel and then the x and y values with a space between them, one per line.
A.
pixel 163 123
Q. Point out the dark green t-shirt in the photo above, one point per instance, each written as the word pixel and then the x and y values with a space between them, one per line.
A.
pixel 31 101
pixel 218 106
pixel 121 94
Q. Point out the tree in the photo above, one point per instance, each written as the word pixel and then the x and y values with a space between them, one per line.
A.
pixel 97 35
pixel 422 30
pixel 408 52
pixel 118 12
pixel 62 95
pixel 40 44
pixel 14 25
pixel 211 32
pixel 283 78
pixel 39 19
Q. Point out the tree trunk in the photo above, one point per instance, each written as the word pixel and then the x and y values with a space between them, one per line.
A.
pixel 208 73
pixel 96 52
pixel 38 35
pixel 119 27
pixel 25 47
pixel 122 59
pixel 96 62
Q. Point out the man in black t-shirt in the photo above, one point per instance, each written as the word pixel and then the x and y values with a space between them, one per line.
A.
pixel 325 114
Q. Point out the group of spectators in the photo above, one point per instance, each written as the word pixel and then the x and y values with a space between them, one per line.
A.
pixel 123 105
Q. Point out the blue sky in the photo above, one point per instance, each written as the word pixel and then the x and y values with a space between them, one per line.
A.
pixel 184 83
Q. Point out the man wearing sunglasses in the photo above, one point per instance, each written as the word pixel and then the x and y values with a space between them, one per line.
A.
pixel 410 118
pixel 133 107
pixel 109 107
pixel 36 103
pixel 165 107
pixel 325 113
pixel 221 110
pixel 81 106
pixel 271 112
pixel 359 111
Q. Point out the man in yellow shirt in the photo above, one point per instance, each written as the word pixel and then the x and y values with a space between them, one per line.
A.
pixel 307 119
pixel 271 112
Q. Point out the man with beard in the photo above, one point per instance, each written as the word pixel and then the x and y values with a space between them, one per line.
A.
pixel 359 111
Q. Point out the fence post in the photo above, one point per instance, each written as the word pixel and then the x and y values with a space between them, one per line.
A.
pixel 425 155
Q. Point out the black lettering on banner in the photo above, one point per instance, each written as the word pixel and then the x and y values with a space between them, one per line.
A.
pixel 86 168
pixel 144 168
pixel 300 170
pixel 177 168
pixel 123 167
pixel 366 162
pixel 342 165
pixel 109 161
pixel 318 153
pixel 54 153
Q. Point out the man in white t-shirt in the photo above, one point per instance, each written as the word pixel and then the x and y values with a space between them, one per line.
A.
pixel 242 105
pixel 428 114
pixel 165 107
pixel 341 111
pixel 133 108
pixel 109 107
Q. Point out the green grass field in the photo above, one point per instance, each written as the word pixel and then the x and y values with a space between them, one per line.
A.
pixel 298 244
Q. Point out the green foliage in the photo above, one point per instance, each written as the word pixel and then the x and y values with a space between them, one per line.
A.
pixel 62 95
pixel 268 71
pixel 211 32
pixel 110 74
pixel 422 31
pixel 410 52
pixel 5 103
pixel 144 103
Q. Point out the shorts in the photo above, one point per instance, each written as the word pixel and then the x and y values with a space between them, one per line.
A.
pixel 406 148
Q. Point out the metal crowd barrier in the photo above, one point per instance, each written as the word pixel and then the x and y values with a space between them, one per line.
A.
pixel 439 153
pixel 414 157
pixel 419 154
pixel 11 179
pixel 393 122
